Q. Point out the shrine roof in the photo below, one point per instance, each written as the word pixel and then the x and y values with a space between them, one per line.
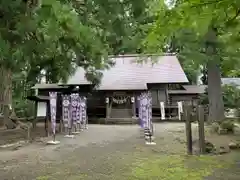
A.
pixel 63 87
pixel 134 72
pixel 47 86
pixel 190 89
pixel 38 98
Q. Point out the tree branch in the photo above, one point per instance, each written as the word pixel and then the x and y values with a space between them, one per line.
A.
pixel 207 3
pixel 229 21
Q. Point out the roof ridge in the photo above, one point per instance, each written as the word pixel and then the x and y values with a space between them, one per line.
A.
pixel 132 76
pixel 139 55
pixel 230 78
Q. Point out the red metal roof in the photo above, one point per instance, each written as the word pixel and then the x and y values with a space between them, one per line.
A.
pixel 127 74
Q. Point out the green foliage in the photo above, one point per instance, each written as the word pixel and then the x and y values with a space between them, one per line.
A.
pixel 203 99
pixel 58 36
pixel 186 26
pixel 231 96
pixel 50 37
pixel 191 73
pixel 202 33
pixel 119 23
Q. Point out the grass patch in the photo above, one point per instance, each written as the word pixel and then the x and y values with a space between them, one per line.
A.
pixel 43 178
pixel 175 167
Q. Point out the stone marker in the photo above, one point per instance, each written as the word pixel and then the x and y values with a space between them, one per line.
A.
pixel 233 145
pixel 236 129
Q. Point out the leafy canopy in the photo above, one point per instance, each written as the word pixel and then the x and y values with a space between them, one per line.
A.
pixel 57 36
pixel 188 22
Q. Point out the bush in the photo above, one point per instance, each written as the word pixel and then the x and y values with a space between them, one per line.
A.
pixel 228 125
pixel 24 108
pixel 231 98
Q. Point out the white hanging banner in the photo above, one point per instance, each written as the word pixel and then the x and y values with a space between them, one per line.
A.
pixel 180 109
pixel 162 110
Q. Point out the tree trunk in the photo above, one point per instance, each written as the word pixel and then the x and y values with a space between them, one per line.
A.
pixel 6 96
pixel 1 97
pixel 216 106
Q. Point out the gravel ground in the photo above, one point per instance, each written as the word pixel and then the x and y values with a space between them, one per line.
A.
pixel 96 154
pixel 88 153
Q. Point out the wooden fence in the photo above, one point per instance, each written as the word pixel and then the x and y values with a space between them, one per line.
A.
pixel 199 113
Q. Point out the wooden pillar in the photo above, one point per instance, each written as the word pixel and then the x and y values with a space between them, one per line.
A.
pixel 48 120
pixel 46 125
pixel 159 102
pixel 61 126
pixel 201 132
pixel 187 118
pixel 34 123
pixel 110 109
pixel 133 101
pixel 107 109
pixel 167 95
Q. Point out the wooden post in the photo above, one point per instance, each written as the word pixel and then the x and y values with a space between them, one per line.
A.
pixel 200 113
pixel 61 125
pixel 110 109
pixel 49 126
pixel 46 125
pixel 187 118
pixel 48 119
pixel 133 107
pixel 133 101
pixel 28 133
pixel 159 101
pixel 107 109
pixel 34 122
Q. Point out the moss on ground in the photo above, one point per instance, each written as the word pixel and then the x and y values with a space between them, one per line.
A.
pixel 144 164
pixel 175 167
pixel 135 161
pixel 43 178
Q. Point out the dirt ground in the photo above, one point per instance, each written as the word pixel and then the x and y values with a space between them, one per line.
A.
pixel 109 152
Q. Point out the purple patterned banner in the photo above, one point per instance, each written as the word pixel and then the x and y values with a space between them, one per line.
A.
pixel 83 112
pixel 150 111
pixel 78 110
pixel 53 110
pixel 145 110
pixel 74 104
pixel 66 106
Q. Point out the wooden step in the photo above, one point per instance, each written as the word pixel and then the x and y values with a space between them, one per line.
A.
pixel 121 121
pixel 121 113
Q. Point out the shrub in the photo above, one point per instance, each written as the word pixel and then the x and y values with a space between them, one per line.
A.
pixel 228 125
